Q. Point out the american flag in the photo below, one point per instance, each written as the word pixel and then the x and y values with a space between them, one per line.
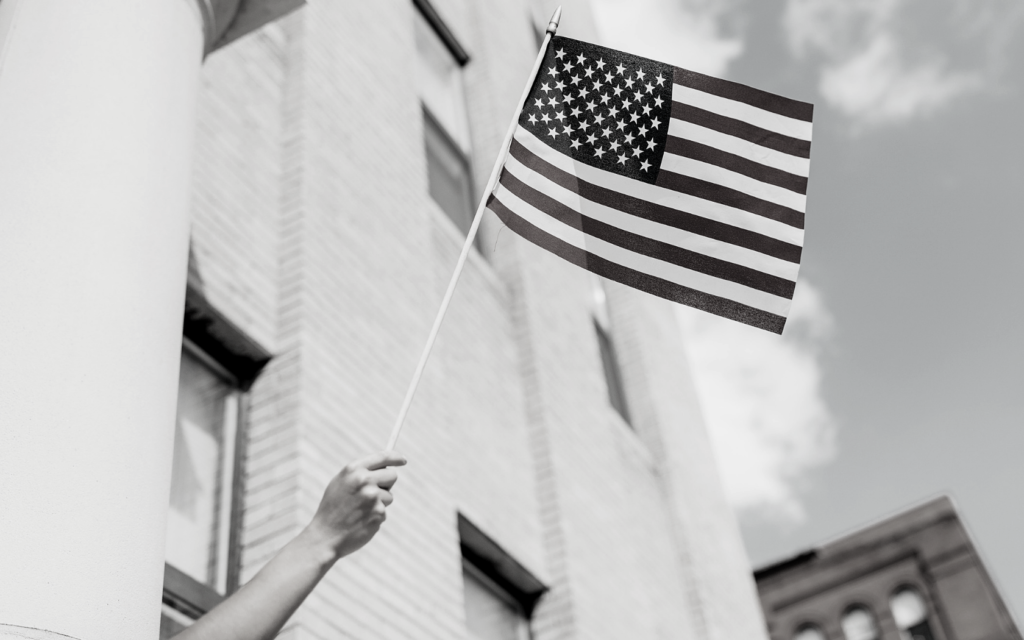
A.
pixel 682 185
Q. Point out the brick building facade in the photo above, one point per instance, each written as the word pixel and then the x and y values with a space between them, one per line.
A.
pixel 913 576
pixel 560 484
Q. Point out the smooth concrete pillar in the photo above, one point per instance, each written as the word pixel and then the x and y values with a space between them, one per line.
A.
pixel 97 104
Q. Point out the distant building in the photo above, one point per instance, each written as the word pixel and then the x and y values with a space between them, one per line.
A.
pixel 914 576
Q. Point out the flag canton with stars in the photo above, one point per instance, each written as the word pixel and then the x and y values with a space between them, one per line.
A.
pixel 603 107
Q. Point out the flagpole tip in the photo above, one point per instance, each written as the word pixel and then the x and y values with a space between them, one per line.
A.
pixel 555 17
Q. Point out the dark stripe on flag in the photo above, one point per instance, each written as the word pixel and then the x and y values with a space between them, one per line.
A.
pixel 636 279
pixel 729 197
pixel 739 164
pixel 658 213
pixel 743 130
pixel 742 93
pixel 647 246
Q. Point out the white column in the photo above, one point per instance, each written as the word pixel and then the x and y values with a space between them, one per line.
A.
pixel 97 103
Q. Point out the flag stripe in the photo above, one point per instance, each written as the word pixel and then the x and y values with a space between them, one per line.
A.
pixel 613 187
pixel 730 144
pixel 742 93
pixel 637 279
pixel 741 111
pixel 690 260
pixel 742 130
pixel 664 270
pixel 724 177
pixel 645 227
pixel 738 164
pixel 729 197
pixel 639 207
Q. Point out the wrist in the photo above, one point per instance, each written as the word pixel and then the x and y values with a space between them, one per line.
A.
pixel 318 546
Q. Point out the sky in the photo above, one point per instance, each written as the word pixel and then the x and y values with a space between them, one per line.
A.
pixel 899 376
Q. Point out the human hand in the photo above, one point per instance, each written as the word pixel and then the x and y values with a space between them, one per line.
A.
pixel 355 501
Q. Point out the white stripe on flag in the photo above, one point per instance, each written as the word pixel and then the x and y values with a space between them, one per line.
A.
pixel 661 196
pixel 733 180
pixel 639 262
pixel 742 111
pixel 650 229
pixel 740 147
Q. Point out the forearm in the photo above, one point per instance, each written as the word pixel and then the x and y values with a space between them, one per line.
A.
pixel 349 515
pixel 260 608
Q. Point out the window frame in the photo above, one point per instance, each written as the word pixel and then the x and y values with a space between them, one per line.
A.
pixel 860 606
pixel 907 633
pixel 431 122
pixel 448 138
pixel 500 568
pixel 614 380
pixel 230 354
pixel 612 373
pixel 808 625
pixel 524 630
pixel 433 18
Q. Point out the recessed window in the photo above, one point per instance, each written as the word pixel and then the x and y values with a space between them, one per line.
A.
pixel 858 623
pixel 609 358
pixel 201 507
pixel 499 593
pixel 218 363
pixel 446 139
pixel 491 612
pixel 911 614
pixel 202 476
pixel 809 632
pixel 448 173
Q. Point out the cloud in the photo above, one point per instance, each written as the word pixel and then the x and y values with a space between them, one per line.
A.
pixel 877 86
pixel 887 61
pixel 686 33
pixel 762 401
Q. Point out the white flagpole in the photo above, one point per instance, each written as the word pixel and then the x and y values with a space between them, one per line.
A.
pixel 491 182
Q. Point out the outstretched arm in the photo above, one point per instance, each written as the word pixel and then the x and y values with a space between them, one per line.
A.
pixel 350 513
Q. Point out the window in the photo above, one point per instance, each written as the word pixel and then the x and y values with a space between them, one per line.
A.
pixel 612 373
pixel 809 632
pixel 859 624
pixel 499 593
pixel 203 471
pixel 445 122
pixel 218 363
pixel 911 614
pixel 491 613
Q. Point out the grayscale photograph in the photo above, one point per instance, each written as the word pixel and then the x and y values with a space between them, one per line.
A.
pixel 511 319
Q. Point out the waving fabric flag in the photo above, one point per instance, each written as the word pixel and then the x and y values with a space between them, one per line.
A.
pixel 682 185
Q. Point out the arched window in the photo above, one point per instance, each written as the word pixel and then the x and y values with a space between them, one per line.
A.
pixel 859 624
pixel 809 632
pixel 911 614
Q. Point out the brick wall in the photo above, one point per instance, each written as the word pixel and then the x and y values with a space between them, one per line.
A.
pixel 315 233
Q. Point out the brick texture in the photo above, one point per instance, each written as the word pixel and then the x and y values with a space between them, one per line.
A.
pixel 314 232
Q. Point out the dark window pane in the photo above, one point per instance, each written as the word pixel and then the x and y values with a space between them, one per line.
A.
pixel 920 631
pixel 612 375
pixel 447 173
